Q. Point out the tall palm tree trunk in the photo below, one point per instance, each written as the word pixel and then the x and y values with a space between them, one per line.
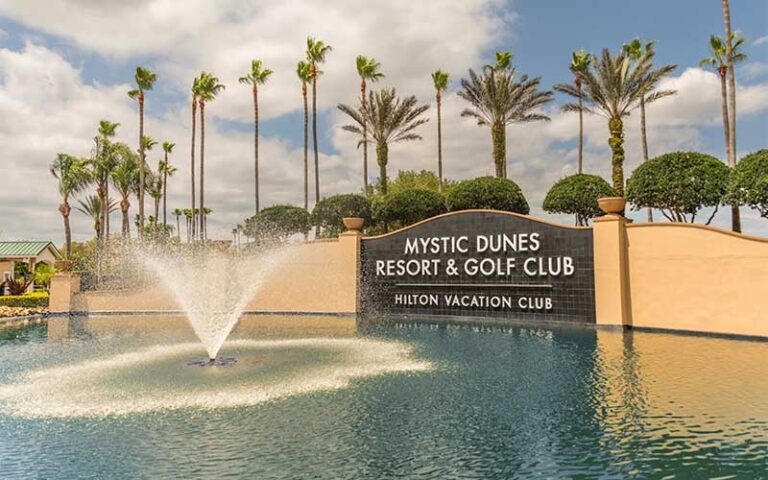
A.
pixel 256 144
pixel 581 128
pixel 65 209
pixel 439 144
pixel 124 206
pixel 735 213
pixel 726 121
pixel 314 133
pixel 178 227
pixel 202 171
pixel 191 233
pixel 306 143
pixel 382 157
pixel 102 208
pixel 141 165
pixel 106 214
pixel 157 210
pixel 616 142
pixel 365 139
pixel 644 141
pixel 165 191
pixel 498 136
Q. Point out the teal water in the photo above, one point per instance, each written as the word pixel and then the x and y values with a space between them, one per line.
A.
pixel 452 403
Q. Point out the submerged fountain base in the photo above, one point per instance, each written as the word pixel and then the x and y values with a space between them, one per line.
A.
pixel 212 362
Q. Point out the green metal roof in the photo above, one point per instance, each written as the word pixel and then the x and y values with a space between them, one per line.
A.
pixel 25 248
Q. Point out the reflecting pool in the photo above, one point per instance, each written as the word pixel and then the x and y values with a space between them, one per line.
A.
pixel 322 397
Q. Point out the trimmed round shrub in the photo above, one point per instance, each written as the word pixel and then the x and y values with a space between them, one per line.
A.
pixel 329 212
pixel 405 207
pixel 487 193
pixel 679 184
pixel 278 221
pixel 749 182
pixel 577 195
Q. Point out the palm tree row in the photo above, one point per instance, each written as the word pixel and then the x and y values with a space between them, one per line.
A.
pixel 611 85
pixel 116 164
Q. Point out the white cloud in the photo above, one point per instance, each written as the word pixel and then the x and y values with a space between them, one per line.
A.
pixel 760 40
pixel 753 70
pixel 409 38
pixel 47 106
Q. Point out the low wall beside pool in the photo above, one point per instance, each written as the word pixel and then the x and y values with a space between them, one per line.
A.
pixel 512 267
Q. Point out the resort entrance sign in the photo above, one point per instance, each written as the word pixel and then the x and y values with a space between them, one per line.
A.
pixel 481 263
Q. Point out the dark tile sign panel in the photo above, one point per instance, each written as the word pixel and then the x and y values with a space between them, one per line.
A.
pixel 481 263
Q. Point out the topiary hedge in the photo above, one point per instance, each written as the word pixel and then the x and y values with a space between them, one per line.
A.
pixel 749 182
pixel 329 212
pixel 577 195
pixel 29 300
pixel 278 221
pixel 405 207
pixel 488 193
pixel 679 184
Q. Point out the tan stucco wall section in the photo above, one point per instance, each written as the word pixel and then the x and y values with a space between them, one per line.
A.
pixel 319 277
pixel 612 296
pixel 691 277
pixel 5 266
pixel 65 288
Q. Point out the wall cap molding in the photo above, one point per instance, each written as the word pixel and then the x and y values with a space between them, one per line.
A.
pixel 478 210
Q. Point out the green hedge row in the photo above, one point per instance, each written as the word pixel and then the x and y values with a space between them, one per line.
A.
pixel 31 300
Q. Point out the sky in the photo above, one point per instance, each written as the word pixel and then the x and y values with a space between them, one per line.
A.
pixel 66 64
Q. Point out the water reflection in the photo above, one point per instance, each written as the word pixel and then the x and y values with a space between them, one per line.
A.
pixel 499 403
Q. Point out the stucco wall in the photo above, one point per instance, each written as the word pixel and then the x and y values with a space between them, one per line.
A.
pixel 5 266
pixel 691 277
pixel 319 277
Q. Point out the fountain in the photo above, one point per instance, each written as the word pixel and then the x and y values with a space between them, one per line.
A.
pixel 213 288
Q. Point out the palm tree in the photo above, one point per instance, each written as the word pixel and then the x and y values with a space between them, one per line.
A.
pixel 613 87
pixel 440 81
pixel 257 76
pixel 167 170
pixel 390 120
pixel 177 212
pixel 204 215
pixel 145 80
pixel 195 95
pixel 125 178
pixel 102 164
pixel 497 99
pixel 730 38
pixel 580 62
pixel 209 88
pixel 304 72
pixel 189 217
pixel 73 176
pixel 503 61
pixel 368 70
pixel 92 207
pixel 719 62
pixel 635 50
pixel 316 52
pixel 154 188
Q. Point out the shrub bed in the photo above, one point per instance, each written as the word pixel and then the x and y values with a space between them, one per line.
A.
pixel 30 300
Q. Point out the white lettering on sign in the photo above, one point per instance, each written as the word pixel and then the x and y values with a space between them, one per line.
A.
pixel 483 263
pixel 499 302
